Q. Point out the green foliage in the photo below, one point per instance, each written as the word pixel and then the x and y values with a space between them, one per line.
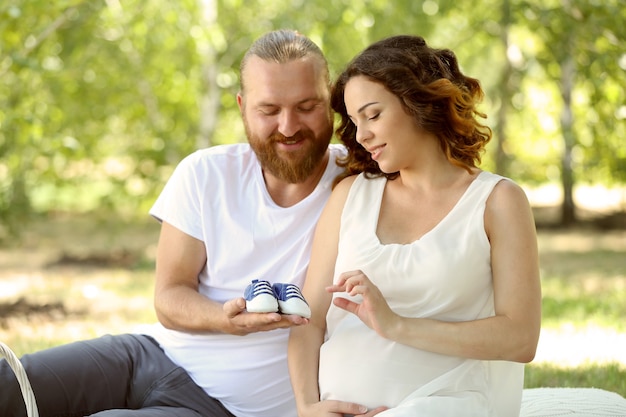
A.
pixel 95 98
pixel 593 34
pixel 99 100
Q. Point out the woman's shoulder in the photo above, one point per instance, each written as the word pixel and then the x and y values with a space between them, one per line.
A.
pixel 506 189
pixel 507 205
pixel 502 187
pixel 342 190
pixel 356 182
pixel 345 184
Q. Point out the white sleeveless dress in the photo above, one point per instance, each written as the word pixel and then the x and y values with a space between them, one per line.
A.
pixel 444 275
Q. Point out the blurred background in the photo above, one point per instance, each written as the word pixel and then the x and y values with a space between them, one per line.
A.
pixel 100 99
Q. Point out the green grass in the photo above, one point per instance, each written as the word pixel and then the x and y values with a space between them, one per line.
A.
pixel 609 376
pixel 583 283
pixel 584 286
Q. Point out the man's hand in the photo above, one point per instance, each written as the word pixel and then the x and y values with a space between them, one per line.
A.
pixel 242 323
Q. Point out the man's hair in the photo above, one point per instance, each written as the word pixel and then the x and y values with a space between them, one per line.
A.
pixel 282 46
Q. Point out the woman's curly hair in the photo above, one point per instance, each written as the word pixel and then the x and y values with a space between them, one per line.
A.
pixel 431 88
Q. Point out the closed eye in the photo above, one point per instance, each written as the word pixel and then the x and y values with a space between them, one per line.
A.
pixel 269 111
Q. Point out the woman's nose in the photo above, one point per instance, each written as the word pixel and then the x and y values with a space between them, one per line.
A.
pixel 362 134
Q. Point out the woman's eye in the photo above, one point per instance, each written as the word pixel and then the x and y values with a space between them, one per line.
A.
pixel 374 117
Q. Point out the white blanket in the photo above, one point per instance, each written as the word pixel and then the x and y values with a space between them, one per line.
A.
pixel 588 402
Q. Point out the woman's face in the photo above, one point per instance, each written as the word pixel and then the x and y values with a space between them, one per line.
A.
pixel 383 126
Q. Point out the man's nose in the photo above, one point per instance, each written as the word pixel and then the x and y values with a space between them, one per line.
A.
pixel 288 123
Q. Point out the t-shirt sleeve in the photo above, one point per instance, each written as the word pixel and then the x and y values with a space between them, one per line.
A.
pixel 179 204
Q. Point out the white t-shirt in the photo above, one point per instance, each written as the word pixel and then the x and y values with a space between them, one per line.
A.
pixel 218 195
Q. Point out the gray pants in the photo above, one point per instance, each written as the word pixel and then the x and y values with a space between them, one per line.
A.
pixel 111 376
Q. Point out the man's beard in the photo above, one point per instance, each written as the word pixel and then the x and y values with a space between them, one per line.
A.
pixel 292 167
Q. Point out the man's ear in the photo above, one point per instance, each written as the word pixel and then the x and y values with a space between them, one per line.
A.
pixel 240 102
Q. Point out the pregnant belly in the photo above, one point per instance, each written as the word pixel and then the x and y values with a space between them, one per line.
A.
pixel 358 365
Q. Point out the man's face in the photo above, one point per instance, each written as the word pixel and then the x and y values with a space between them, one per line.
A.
pixel 287 116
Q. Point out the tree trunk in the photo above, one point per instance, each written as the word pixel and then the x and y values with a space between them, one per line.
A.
pixel 210 100
pixel 568 75
pixel 505 93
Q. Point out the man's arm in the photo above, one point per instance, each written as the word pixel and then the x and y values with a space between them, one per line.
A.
pixel 180 306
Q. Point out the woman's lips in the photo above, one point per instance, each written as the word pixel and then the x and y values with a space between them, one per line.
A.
pixel 376 151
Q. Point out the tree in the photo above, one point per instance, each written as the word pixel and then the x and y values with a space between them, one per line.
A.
pixel 99 100
pixel 93 97
pixel 575 36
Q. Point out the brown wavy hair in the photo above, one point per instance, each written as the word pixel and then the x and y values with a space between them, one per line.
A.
pixel 431 88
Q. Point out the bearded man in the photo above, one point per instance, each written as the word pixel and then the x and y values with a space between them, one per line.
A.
pixel 229 215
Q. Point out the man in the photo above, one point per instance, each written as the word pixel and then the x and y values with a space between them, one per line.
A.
pixel 229 214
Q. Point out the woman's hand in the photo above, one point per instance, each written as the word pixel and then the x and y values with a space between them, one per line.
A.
pixel 333 408
pixel 374 310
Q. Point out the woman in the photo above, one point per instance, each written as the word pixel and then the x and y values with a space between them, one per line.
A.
pixel 424 278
